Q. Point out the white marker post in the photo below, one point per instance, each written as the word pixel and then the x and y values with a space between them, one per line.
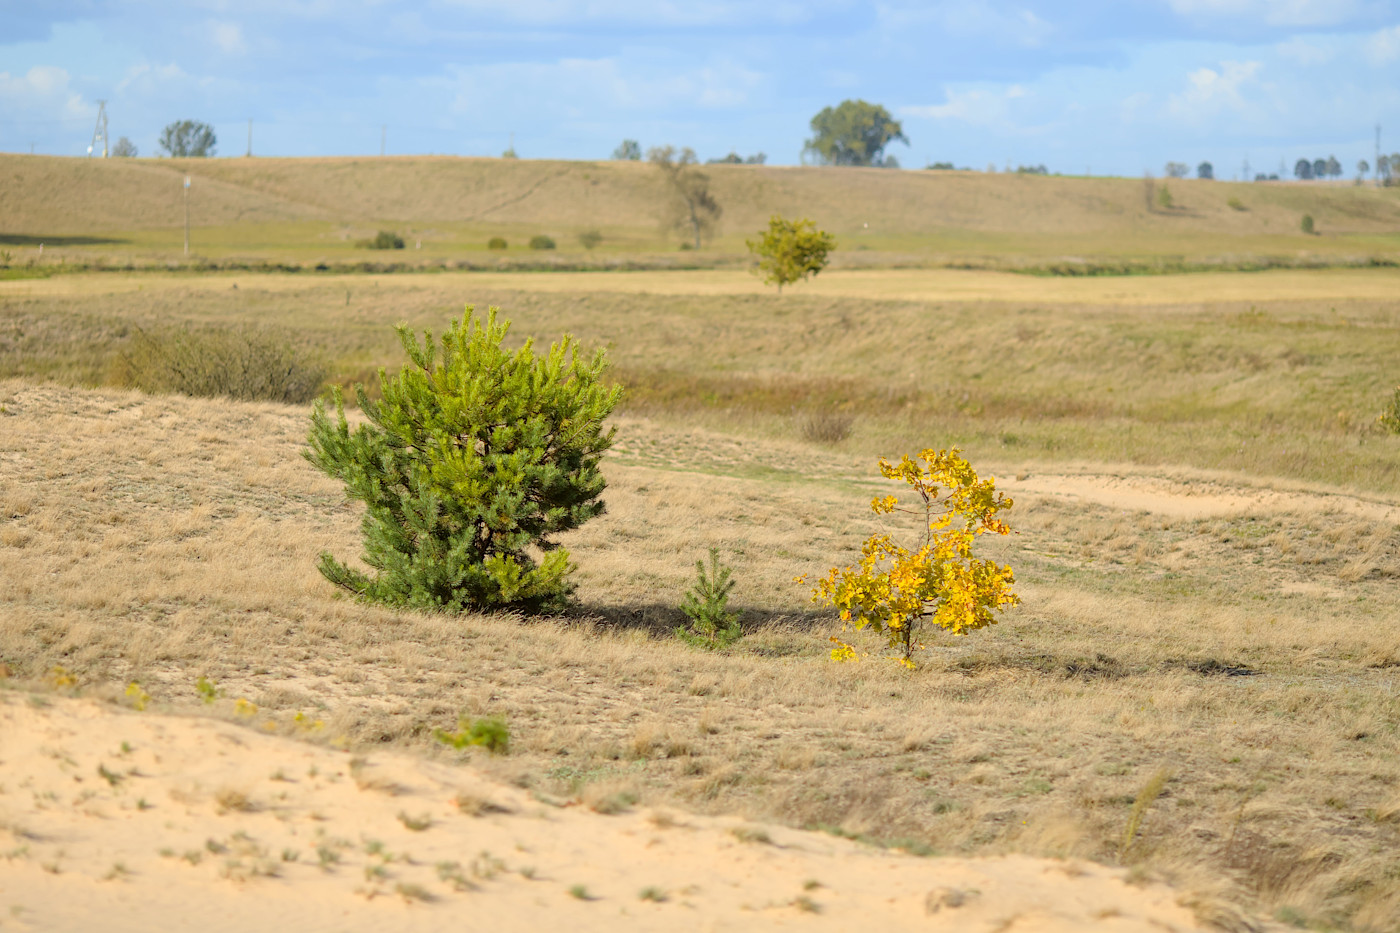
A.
pixel 187 215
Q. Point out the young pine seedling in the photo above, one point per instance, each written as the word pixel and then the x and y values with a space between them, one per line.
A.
pixel 706 605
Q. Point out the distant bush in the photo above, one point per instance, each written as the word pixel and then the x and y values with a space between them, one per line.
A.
pixel 497 242
pixel 1236 204
pixel 248 364
pixel 540 241
pixel 384 239
pixel 706 605
pixel 1164 198
pixel 825 427
pixel 790 251
pixel 590 238
pixel 1307 224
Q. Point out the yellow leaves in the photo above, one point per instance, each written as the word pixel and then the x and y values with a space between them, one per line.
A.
pixel 892 589
pixel 137 695
pixel 884 505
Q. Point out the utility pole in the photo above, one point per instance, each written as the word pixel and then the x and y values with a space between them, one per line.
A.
pixel 383 138
pixel 187 215
pixel 250 138
pixel 100 130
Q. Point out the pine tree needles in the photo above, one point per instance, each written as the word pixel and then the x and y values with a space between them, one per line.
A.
pixel 474 459
pixel 706 605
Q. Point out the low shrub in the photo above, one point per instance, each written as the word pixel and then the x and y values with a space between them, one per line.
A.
pixel 825 427
pixel 497 242
pixel 1307 224
pixel 243 363
pixel 590 238
pixel 384 239
pixel 1236 204
pixel 540 241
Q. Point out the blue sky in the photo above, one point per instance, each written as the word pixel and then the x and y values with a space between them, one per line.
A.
pixel 1106 87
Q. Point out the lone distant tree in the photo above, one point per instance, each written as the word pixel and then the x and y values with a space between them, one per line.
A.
pixel 1205 171
pixel 1362 168
pixel 1177 170
pixel 187 139
pixel 790 251
pixel 629 150
pixel 1303 170
pixel 692 207
pixel 854 133
pixel 124 149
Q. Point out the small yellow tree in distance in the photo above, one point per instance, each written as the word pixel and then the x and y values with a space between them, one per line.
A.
pixel 790 250
pixel 893 589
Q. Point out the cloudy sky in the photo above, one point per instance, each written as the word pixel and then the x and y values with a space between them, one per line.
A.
pixel 1104 86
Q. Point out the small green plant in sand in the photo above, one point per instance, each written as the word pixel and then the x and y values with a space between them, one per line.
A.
pixel 706 605
pixel 1141 804
pixel 206 690
pixel 471 462
pixel 137 695
pixel 894 589
pixel 490 733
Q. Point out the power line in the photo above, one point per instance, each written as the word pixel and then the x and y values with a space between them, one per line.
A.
pixel 100 130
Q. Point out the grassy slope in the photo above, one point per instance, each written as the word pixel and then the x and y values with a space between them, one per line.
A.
pixel 314 207
pixel 165 539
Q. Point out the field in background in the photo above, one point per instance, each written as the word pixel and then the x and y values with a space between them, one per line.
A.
pixel 314 210
pixel 1178 370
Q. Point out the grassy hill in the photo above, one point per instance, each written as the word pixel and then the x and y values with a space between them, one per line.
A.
pixel 311 209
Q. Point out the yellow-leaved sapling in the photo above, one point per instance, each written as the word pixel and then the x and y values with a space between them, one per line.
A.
pixel 894 590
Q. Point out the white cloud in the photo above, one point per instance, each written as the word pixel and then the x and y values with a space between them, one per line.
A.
pixel 41 89
pixel 1016 26
pixel 978 106
pixel 1212 91
pixel 583 87
pixel 144 78
pixel 1271 12
pixel 229 38
pixel 655 12
pixel 1383 47
pixel 1303 52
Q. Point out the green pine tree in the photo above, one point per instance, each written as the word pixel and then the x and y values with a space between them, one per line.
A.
pixel 472 461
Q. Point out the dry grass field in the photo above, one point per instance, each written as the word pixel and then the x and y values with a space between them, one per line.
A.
pixel 1207 551
pixel 314 210
pixel 1201 687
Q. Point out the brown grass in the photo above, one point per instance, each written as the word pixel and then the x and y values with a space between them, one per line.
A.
pixel 162 539
pixel 308 209
pixel 1279 386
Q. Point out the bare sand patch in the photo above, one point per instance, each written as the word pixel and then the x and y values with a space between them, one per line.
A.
pixel 129 821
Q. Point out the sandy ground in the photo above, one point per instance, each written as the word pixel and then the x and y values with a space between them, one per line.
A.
pixel 1194 495
pixel 115 820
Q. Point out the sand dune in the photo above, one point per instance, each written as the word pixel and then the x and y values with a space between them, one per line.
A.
pixel 117 820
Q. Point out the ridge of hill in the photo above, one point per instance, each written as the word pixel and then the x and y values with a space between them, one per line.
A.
pixel 53 195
